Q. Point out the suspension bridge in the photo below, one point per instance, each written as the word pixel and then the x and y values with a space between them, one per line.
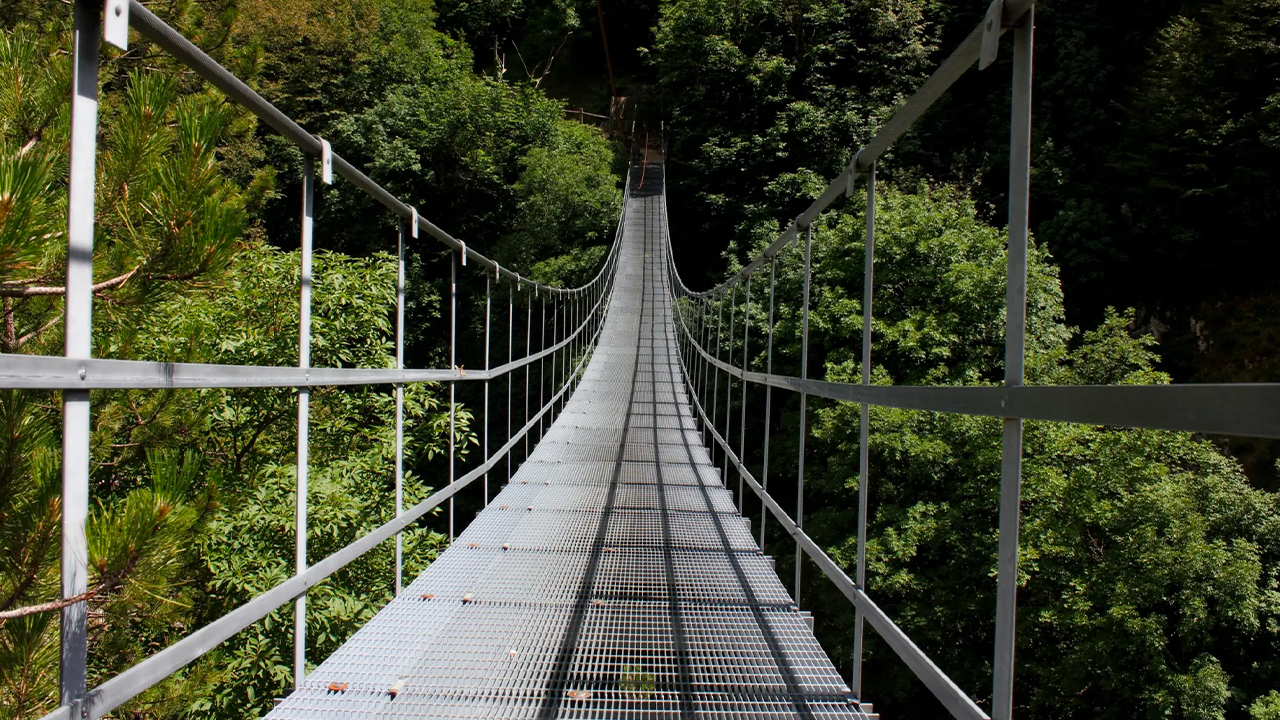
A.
pixel 614 574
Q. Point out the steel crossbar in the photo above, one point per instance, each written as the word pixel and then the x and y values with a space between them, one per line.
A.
pixel 77 373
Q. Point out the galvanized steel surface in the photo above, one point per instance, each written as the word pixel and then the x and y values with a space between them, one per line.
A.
pixel 612 577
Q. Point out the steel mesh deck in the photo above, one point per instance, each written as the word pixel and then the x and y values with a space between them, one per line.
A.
pixel 612 578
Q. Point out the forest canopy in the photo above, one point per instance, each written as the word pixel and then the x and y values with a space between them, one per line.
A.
pixel 1150 560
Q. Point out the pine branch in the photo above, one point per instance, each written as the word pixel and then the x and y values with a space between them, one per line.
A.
pixel 37 332
pixel 62 289
pixel 105 584
pixel 52 605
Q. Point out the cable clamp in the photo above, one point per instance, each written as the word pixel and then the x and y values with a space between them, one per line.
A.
pixel 464 252
pixel 992 24
pixel 115 23
pixel 413 221
pixel 326 162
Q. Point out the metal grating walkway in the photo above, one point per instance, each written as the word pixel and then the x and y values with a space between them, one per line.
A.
pixel 612 578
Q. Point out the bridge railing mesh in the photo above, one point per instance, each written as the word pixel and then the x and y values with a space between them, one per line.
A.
pixel 568 322
pixel 714 324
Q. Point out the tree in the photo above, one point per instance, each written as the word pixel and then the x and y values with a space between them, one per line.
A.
pixel 1146 555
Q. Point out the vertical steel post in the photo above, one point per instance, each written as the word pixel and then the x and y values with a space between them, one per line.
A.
pixel 78 343
pixel 488 314
pixel 555 338
pixel 804 401
pixel 528 343
pixel 706 365
pixel 699 368
pixel 715 389
pixel 580 337
pixel 768 403
pixel 304 413
pixel 453 385
pixel 742 418
pixel 400 404
pixel 868 266
pixel 542 368
pixel 728 387
pixel 1014 357
pixel 511 326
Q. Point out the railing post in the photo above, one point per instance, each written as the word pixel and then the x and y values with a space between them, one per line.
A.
pixel 768 404
pixel 78 343
pixel 304 414
pixel 804 403
pixel 488 314
pixel 453 385
pixel 400 404
pixel 511 325
pixel 868 265
pixel 728 386
pixel 555 338
pixel 1014 358
pixel 528 346
pixel 700 370
pixel 542 369
pixel 742 418
pixel 715 383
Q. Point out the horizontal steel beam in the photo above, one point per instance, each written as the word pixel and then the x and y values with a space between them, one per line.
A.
pixel 43 372
pixel 155 29
pixel 948 693
pixel 129 684
pixel 951 69
pixel 1244 409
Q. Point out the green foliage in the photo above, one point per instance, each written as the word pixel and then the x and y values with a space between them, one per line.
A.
pixel 1266 707
pixel 566 191
pixel 165 215
pixel 768 98
pixel 572 270
pixel 401 102
pixel 1148 568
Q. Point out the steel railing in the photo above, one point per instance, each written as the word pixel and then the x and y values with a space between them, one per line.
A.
pixel 1229 409
pixel 577 316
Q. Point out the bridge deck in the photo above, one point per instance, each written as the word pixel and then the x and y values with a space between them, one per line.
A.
pixel 632 588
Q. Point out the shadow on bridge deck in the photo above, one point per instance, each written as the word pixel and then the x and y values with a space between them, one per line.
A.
pixel 611 578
